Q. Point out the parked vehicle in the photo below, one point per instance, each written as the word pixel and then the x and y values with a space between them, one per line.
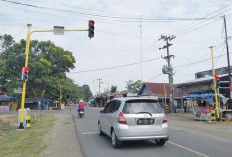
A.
pixel 81 113
pixel 126 119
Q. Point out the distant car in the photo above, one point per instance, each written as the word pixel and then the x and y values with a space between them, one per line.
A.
pixel 127 119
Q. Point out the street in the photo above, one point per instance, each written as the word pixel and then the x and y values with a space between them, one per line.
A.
pixel 181 143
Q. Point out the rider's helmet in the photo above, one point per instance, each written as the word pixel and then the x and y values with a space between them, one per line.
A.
pixel 80 101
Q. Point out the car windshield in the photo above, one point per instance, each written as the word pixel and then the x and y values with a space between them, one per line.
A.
pixel 142 106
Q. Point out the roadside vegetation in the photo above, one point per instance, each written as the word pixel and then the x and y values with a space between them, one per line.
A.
pixel 48 65
pixel 28 142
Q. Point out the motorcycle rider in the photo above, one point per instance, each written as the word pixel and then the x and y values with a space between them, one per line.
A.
pixel 81 106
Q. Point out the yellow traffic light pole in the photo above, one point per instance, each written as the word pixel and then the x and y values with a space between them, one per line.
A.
pixel 214 84
pixel 165 105
pixel 26 64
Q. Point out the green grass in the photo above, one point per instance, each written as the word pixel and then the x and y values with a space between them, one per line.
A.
pixel 7 125
pixel 28 142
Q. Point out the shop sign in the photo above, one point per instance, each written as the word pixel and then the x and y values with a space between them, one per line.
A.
pixel 4 108
pixel 202 113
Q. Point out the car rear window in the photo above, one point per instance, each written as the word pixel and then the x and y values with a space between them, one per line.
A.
pixel 136 106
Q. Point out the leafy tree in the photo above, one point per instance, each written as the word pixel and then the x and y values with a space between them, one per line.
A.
pixel 134 87
pixel 48 64
pixel 113 89
pixel 87 92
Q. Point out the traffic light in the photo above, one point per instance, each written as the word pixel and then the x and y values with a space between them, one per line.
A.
pixel 91 29
pixel 217 79
pixel 25 73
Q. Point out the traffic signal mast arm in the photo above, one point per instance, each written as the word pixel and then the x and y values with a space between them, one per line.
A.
pixel 91 29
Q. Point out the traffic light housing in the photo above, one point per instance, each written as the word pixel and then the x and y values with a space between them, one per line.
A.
pixel 91 29
pixel 217 79
pixel 25 73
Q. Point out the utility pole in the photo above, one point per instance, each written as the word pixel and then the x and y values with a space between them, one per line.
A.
pixel 228 59
pixel 99 85
pixel 141 52
pixel 170 70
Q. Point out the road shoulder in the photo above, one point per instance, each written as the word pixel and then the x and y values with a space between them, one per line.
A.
pixel 62 139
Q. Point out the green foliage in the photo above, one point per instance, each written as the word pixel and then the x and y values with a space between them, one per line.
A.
pixel 87 92
pixel 113 89
pixel 48 64
pixel 134 87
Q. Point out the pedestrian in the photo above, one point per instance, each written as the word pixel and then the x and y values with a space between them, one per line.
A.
pixel 185 107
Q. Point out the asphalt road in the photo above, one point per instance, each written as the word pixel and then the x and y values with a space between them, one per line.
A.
pixel 181 144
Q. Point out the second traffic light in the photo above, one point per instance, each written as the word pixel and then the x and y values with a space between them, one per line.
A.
pixel 25 73
pixel 91 29
pixel 217 79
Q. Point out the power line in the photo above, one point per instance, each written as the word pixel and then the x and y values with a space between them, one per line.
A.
pixel 182 28
pixel 122 18
pixel 198 61
pixel 113 67
pixel 154 77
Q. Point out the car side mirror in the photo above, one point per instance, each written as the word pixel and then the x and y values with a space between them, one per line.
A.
pixel 102 111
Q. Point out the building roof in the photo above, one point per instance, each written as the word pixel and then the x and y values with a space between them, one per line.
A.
pixel 7 98
pixel 199 80
pixel 158 88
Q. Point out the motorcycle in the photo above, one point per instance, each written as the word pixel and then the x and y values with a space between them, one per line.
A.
pixel 81 113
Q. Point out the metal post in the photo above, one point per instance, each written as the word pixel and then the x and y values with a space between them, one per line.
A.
pixel 214 84
pixel 99 85
pixel 24 83
pixel 228 59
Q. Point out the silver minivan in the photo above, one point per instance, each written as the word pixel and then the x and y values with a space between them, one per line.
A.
pixel 133 118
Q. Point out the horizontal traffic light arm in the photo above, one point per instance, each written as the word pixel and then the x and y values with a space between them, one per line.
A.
pixel 67 30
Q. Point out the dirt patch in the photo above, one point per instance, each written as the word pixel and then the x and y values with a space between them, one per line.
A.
pixel 62 140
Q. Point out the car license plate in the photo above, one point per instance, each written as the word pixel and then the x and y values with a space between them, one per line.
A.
pixel 145 121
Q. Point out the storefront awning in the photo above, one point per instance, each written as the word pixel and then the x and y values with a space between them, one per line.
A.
pixel 200 96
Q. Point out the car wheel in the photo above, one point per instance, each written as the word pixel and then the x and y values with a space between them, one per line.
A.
pixel 114 140
pixel 160 142
pixel 100 131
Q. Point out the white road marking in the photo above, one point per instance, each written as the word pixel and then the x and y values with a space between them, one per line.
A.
pixel 89 133
pixel 188 149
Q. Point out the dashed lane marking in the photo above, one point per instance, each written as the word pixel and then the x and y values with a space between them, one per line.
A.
pixel 89 133
pixel 191 150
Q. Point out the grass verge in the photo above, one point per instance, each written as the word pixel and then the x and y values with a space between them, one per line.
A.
pixel 28 142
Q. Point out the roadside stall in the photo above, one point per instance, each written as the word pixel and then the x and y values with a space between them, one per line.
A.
pixel 202 106
pixel 7 103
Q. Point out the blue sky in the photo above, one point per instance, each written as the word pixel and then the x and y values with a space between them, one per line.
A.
pixel 117 41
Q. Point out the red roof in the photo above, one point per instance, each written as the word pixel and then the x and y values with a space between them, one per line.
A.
pixel 158 88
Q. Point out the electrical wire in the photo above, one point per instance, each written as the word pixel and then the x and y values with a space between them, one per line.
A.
pixel 210 14
pixel 113 67
pixel 184 65
pixel 122 18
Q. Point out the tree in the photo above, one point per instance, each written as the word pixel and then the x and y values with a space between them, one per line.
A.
pixel 48 64
pixel 134 87
pixel 87 92
pixel 113 89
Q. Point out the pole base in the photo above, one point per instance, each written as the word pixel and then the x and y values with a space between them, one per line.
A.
pixel 21 126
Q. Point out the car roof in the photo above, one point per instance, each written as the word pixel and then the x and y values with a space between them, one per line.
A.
pixel 135 98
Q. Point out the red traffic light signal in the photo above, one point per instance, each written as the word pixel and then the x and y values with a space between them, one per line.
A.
pixel 91 29
pixel 25 73
pixel 25 69
pixel 217 79
pixel 91 23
